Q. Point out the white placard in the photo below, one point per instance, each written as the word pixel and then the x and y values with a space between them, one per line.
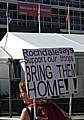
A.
pixel 50 72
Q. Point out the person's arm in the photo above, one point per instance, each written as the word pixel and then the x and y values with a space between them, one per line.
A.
pixel 24 115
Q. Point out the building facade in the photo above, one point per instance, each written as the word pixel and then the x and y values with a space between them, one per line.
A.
pixel 54 22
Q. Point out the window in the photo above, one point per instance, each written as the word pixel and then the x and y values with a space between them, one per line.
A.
pixel 12 6
pixel 38 1
pixel 62 19
pixel 76 20
pixel 14 15
pixel 62 26
pixel 54 2
pixel 76 27
pixel 3 6
pixel 46 1
pixel 82 14
pixel 62 2
pixel 82 21
pixel 55 18
pixel 54 11
pixel 76 13
pixel 62 12
pixel 75 3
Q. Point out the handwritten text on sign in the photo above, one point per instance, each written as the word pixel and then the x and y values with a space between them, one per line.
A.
pixel 50 71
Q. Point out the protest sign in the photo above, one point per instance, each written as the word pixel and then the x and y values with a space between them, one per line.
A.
pixel 50 72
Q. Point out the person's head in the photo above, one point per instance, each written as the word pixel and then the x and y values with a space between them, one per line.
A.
pixel 23 94
pixel 22 85
pixel 22 88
